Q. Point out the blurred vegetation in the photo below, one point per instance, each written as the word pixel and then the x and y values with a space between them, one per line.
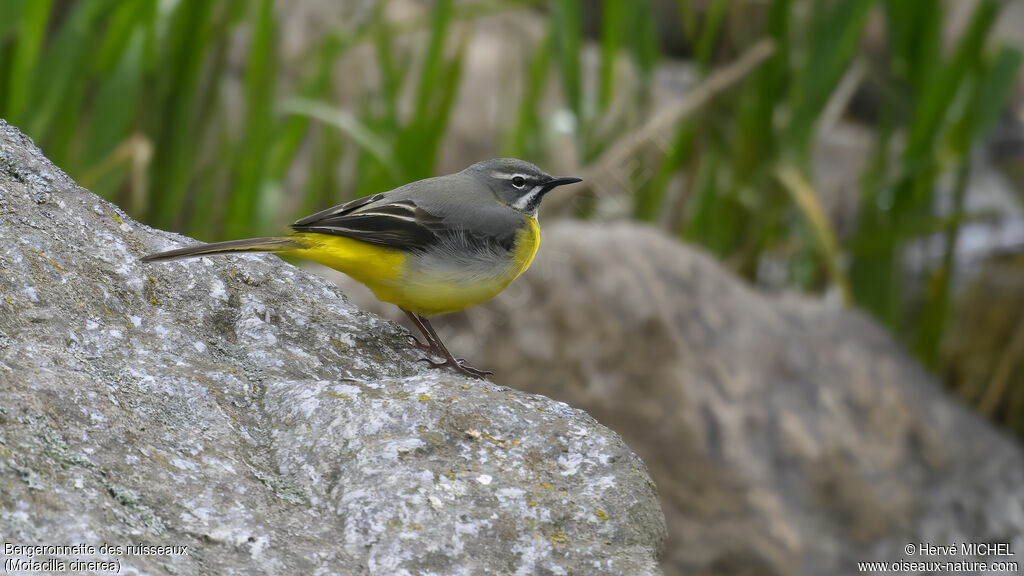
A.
pixel 129 98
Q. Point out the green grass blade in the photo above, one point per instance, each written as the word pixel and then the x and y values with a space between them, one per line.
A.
pixel 114 110
pixel 10 20
pixel 434 60
pixel 416 144
pixel 174 121
pixel 988 94
pixel 390 77
pixel 247 197
pixel 756 141
pixel 914 31
pixel 643 41
pixel 995 91
pixel 688 18
pixel 124 23
pixel 32 23
pixel 702 211
pixel 323 187
pixel 296 126
pixel 806 199
pixel 710 31
pixel 938 94
pixel 568 33
pixel 204 211
pixel 611 38
pixel 649 199
pixel 835 37
pixel 523 140
pixel 348 124
pixel 55 113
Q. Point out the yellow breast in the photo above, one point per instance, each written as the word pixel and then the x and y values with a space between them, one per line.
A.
pixel 438 282
pixel 439 285
pixel 527 244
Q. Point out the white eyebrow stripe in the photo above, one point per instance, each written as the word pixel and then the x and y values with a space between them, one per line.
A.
pixel 507 176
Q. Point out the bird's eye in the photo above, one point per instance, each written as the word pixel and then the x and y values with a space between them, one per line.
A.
pixel 519 181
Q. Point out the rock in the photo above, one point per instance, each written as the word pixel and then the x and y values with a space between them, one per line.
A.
pixel 242 408
pixel 785 436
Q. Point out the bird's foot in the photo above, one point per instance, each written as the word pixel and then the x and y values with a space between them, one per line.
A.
pixel 460 366
pixel 419 343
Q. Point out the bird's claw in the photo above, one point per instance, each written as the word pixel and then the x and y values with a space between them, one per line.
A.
pixel 460 366
pixel 432 363
pixel 474 371
pixel 419 343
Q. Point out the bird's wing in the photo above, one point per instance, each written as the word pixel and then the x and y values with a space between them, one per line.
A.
pixel 379 219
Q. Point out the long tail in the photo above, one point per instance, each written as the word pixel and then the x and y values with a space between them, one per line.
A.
pixel 247 245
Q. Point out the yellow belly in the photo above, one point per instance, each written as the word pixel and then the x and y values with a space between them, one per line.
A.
pixel 402 279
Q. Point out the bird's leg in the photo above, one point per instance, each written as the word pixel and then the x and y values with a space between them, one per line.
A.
pixel 439 348
pixel 429 345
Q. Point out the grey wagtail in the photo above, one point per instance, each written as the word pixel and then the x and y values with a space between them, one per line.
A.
pixel 430 247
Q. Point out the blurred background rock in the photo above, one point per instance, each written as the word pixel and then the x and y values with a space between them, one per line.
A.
pixel 868 154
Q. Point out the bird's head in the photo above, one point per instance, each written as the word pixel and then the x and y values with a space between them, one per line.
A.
pixel 517 183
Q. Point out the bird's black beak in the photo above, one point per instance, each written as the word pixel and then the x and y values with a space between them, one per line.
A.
pixel 555 182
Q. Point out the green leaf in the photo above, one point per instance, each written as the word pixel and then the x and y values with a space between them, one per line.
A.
pixel 247 196
pixel 611 23
pixel 937 95
pixel 996 88
pixel 349 125
pixel 115 103
pixel 31 28
pixel 523 139
pixel 834 37
pixel 709 32
pixel 183 51
pixel 291 135
pixel 567 32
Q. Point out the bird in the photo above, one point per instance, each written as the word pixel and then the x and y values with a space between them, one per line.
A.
pixel 430 247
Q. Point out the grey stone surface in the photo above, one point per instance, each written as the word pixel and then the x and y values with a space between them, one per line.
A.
pixel 243 408
pixel 786 436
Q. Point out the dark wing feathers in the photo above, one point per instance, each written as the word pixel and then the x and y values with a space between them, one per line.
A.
pixel 339 210
pixel 396 224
